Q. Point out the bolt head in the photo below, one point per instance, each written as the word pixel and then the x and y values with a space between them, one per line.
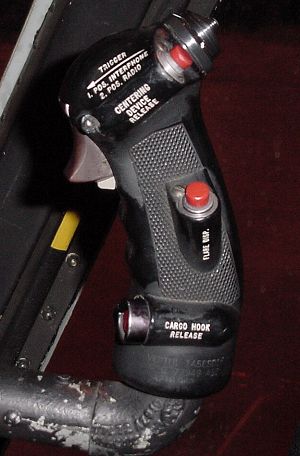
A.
pixel 73 260
pixel 12 418
pixel 23 363
pixel 48 313
pixel 89 124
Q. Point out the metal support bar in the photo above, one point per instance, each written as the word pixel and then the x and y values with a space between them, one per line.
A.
pixel 100 418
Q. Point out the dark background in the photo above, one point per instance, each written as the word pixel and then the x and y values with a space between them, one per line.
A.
pixel 238 14
pixel 251 106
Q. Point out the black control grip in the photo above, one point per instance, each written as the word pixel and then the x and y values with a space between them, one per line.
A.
pixel 136 96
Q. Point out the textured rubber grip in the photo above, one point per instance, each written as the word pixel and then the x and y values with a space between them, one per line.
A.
pixel 181 366
pixel 161 158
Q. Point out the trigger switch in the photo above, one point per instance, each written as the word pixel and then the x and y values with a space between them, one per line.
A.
pixel 87 163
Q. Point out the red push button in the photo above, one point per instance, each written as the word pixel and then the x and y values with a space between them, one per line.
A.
pixel 125 322
pixel 181 57
pixel 197 194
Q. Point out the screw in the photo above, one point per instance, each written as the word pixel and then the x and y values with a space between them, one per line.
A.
pixel 48 313
pixel 23 363
pixel 89 124
pixel 12 418
pixel 73 260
